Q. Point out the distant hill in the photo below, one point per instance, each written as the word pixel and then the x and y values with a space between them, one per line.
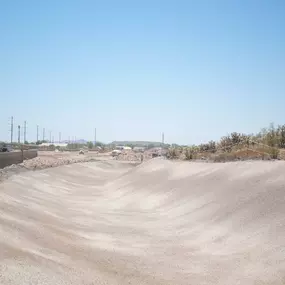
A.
pixel 137 143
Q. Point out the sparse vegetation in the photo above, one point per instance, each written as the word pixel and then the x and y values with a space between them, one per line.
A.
pixel 51 147
pixel 269 143
pixel 191 152
pixel 90 145
pixel 41 141
pixel 173 153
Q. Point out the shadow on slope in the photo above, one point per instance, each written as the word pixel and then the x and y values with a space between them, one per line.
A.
pixel 231 214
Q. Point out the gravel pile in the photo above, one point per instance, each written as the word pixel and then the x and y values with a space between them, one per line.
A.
pixel 40 163
pixel 134 156
pixel 130 156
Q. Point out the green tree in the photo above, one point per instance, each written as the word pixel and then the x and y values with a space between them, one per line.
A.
pixel 51 147
pixel 41 141
pixel 100 144
pixel 90 145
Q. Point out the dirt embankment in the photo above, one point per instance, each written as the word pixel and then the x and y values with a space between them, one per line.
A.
pixel 160 223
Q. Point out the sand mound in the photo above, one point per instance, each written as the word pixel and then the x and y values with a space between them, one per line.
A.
pixel 158 223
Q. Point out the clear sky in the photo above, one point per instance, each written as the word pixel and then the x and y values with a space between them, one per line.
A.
pixel 194 70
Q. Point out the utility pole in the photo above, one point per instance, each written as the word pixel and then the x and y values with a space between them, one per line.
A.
pixel 37 133
pixel 19 133
pixel 95 137
pixel 12 128
pixel 52 139
pixel 162 139
pixel 44 133
pixel 25 130
pixel 49 136
pixel 59 137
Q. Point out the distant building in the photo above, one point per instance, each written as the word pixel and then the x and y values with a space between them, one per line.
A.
pixel 121 147
pixel 46 146
pixel 55 144
pixel 127 148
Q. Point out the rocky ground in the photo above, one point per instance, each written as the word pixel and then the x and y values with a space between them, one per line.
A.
pixel 47 160
pixel 130 155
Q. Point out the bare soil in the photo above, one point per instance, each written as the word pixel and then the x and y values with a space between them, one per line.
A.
pixel 161 222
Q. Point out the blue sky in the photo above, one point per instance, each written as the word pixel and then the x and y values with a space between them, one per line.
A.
pixel 194 70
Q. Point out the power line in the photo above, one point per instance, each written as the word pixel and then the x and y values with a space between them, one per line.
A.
pixel 19 133
pixel 12 128
pixel 25 130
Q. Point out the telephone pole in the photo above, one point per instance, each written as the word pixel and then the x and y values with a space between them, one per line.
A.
pixel 19 133
pixel 95 137
pixel 162 139
pixel 44 133
pixel 12 128
pixel 25 130
pixel 59 137
pixel 49 136
pixel 37 133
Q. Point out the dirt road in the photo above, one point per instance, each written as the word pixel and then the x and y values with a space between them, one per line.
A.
pixel 108 222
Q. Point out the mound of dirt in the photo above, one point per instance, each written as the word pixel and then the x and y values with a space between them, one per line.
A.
pixel 38 163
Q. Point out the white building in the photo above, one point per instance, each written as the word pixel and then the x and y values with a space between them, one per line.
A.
pixel 62 145
pixel 121 147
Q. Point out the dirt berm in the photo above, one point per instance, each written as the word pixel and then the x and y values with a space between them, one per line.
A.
pixel 158 223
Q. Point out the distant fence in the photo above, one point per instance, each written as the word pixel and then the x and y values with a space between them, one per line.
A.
pixel 15 157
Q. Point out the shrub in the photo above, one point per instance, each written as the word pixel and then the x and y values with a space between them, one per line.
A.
pixel 281 135
pixel 226 144
pixel 51 147
pixel 267 144
pixel 274 153
pixel 191 152
pixel 208 147
pixel 90 145
pixel 236 138
pixel 172 153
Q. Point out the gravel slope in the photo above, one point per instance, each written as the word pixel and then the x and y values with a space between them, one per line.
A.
pixel 158 223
